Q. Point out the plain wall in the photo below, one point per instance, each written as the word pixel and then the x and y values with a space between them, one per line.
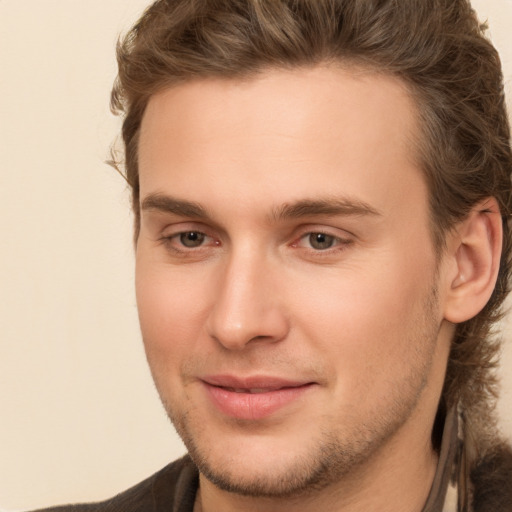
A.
pixel 79 417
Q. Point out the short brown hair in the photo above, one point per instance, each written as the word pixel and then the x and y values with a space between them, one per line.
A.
pixel 437 47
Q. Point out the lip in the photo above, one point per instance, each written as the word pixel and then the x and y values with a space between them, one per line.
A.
pixel 252 398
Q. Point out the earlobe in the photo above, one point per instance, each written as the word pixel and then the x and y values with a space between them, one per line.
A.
pixel 475 251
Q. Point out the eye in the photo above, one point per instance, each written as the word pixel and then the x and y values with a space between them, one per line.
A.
pixel 188 240
pixel 192 239
pixel 321 241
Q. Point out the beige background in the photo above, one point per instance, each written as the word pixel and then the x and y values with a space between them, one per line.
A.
pixel 79 419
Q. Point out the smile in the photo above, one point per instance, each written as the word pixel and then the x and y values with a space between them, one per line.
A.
pixel 254 398
pixel 251 391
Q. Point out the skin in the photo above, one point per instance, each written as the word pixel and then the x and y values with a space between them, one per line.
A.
pixel 360 316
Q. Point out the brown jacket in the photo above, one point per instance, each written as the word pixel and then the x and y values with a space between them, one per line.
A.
pixel 173 489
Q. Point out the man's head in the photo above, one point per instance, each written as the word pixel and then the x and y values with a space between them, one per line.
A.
pixel 244 117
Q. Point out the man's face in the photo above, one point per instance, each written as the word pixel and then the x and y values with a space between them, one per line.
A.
pixel 286 280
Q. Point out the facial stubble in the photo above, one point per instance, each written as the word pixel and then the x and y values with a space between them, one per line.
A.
pixel 335 454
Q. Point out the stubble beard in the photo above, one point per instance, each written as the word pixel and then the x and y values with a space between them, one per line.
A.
pixel 335 454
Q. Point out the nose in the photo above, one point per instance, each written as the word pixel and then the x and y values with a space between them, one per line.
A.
pixel 247 304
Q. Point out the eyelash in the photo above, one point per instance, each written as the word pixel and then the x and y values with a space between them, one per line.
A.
pixel 180 249
pixel 339 244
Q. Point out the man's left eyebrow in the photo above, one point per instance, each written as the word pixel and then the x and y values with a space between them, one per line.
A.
pixel 329 206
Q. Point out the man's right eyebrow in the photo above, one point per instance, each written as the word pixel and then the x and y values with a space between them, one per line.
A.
pixel 169 204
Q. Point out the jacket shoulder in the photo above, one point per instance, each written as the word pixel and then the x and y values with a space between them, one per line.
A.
pixel 171 488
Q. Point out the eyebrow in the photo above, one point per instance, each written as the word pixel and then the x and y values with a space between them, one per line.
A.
pixel 168 204
pixel 329 206
pixel 298 209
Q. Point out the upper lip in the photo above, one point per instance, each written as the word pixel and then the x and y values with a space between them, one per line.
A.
pixel 259 382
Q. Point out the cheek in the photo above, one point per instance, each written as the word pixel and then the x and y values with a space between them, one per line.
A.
pixel 366 320
pixel 171 310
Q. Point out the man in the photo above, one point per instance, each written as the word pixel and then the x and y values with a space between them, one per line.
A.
pixel 321 191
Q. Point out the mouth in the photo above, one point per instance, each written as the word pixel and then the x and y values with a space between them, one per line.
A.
pixel 253 398
pixel 250 390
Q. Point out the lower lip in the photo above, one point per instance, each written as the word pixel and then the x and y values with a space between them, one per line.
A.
pixel 253 406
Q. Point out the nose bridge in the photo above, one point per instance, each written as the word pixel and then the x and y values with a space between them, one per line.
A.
pixel 246 305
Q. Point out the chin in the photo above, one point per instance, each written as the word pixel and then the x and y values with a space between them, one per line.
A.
pixel 272 466
pixel 274 476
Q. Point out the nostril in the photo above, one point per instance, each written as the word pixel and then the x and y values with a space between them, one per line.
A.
pixel 259 338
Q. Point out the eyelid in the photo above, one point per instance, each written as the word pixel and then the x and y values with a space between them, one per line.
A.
pixel 342 239
pixel 338 233
pixel 178 234
pixel 169 236
pixel 338 239
pixel 178 228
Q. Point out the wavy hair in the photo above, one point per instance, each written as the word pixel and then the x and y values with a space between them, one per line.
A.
pixel 437 47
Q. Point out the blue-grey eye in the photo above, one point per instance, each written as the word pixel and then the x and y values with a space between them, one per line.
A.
pixel 321 241
pixel 192 238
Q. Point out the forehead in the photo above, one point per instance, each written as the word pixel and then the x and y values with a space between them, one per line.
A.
pixel 297 130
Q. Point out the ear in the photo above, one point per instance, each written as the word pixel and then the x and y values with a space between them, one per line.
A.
pixel 473 259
